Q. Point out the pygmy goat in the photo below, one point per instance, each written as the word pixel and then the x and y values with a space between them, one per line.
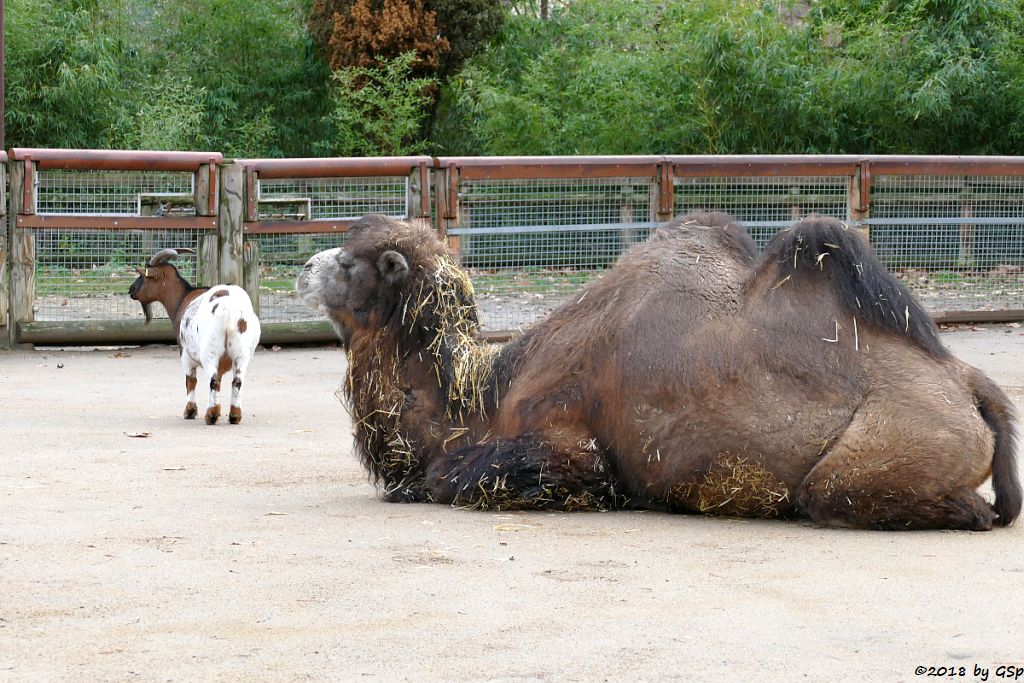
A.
pixel 216 327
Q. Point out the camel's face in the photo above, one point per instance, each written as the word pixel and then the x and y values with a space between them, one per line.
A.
pixel 348 287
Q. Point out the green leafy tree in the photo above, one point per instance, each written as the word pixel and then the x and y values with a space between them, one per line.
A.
pixel 66 64
pixel 229 75
pixel 257 67
pixel 378 110
pixel 887 76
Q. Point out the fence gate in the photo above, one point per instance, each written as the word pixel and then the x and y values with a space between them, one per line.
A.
pixel 81 222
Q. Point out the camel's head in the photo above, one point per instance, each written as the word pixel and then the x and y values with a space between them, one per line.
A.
pixel 360 284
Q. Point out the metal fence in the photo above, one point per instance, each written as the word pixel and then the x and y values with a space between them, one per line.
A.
pixel 82 221
pixel 530 230
pixel 296 207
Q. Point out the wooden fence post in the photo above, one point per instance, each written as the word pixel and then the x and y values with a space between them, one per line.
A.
pixel 209 255
pixel 232 212
pixel 663 201
pixel 5 291
pixel 859 198
pixel 22 256
pixel 446 192
pixel 251 272
pixel 418 206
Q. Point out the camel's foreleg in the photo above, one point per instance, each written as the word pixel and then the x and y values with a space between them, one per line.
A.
pixel 525 473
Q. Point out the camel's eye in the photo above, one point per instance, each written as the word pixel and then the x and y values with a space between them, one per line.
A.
pixel 345 263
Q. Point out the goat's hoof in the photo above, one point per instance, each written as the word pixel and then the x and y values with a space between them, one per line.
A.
pixel 235 415
pixel 212 415
pixel 190 411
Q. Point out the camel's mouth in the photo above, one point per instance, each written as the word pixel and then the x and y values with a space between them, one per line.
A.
pixel 313 280
pixel 304 289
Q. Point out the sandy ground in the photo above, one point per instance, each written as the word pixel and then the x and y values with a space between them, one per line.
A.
pixel 259 552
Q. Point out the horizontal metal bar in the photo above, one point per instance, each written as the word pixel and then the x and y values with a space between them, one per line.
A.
pixel 929 220
pixel 592 227
pixel 762 166
pixel 302 227
pixel 116 160
pixel 333 167
pixel 78 222
pixel 947 165
pixel 529 168
pixel 497 336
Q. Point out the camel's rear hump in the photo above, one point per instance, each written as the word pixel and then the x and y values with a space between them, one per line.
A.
pixel 824 248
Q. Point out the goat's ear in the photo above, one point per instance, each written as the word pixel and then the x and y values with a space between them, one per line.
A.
pixel 393 267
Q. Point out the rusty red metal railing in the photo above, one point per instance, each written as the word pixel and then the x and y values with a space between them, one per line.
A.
pixel 118 160
pixel 256 170
pixel 246 208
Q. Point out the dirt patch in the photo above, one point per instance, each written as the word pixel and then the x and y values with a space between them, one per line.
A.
pixel 259 552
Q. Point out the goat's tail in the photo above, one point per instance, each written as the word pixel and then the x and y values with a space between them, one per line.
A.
pixel 997 411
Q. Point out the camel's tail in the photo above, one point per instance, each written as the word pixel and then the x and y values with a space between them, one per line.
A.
pixel 824 248
pixel 997 411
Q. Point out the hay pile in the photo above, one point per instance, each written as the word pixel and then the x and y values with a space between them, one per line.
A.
pixel 742 486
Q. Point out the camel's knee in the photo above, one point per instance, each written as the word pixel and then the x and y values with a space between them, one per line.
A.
pixel 522 473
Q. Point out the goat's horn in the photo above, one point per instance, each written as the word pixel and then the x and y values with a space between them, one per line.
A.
pixel 163 256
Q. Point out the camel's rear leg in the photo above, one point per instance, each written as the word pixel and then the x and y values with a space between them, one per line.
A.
pixel 888 474
pixel 524 473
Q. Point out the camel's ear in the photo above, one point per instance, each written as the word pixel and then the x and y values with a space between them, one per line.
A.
pixel 393 267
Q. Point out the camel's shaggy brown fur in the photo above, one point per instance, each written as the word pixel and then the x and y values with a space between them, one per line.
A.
pixel 692 376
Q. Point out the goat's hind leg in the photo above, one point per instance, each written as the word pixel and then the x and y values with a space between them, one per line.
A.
pixel 214 370
pixel 875 478
pixel 189 366
pixel 235 412
pixel 524 473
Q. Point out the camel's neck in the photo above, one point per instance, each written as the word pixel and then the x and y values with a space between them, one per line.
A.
pixel 416 394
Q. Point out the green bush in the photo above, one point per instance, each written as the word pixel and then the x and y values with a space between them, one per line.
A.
pixel 378 111
pixel 621 76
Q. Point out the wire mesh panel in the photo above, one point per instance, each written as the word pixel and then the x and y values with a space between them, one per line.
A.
pixel 114 193
pixel 281 258
pixel 331 198
pixel 764 205
pixel 957 241
pixel 528 244
pixel 85 274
